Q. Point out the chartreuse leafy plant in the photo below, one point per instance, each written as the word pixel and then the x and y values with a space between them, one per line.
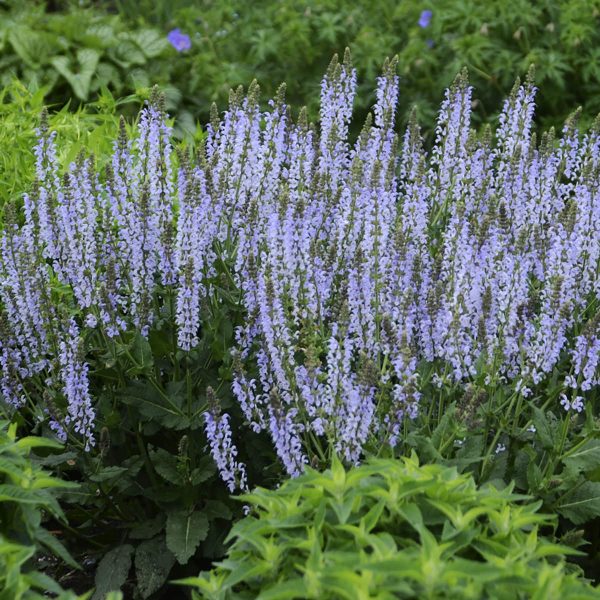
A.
pixel 27 498
pixel 391 529
pixel 92 127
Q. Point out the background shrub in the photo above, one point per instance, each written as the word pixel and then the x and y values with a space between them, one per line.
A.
pixel 75 49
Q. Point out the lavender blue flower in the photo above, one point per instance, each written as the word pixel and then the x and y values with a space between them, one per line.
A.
pixel 180 41
pixel 425 18
pixel 222 449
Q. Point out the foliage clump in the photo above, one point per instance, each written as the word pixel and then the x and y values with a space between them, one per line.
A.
pixel 391 529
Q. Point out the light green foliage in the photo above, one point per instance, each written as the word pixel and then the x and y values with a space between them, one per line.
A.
pixel 27 493
pixel 92 128
pixel 391 529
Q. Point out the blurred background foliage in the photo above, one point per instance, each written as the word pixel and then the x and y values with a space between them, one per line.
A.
pixel 77 51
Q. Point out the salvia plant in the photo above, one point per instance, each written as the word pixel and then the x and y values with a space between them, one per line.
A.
pixel 390 529
pixel 369 274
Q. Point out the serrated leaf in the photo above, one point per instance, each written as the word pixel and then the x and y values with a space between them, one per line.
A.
pixel 165 409
pixel 585 458
pixel 14 493
pixel 108 473
pixel 583 504
pixel 184 532
pixel 12 467
pixel 148 529
pixel 53 460
pixel 545 428
pixel 153 563
pixel 42 582
pixel 142 353
pixel 165 464
pixel 112 571
pixel 29 442
pixel 215 509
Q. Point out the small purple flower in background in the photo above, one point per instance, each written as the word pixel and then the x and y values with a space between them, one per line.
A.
pixel 430 43
pixel 179 41
pixel 425 18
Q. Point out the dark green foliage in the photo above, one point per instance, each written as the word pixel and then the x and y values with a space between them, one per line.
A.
pixel 121 45
pixel 391 529
pixel 151 504
pixel 27 497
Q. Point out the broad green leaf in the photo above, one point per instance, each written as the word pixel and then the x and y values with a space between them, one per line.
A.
pixel 42 582
pixel 285 590
pixel 215 509
pixel 142 354
pixel 153 563
pixel 585 458
pixel 78 73
pixel 108 473
pixel 14 493
pixel 152 42
pixel 112 571
pixel 148 529
pixel 546 428
pixel 184 532
pixel 30 45
pixel 583 504
pixel 162 407
pixel 166 465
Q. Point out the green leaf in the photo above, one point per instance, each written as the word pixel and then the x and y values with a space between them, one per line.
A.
pixel 14 493
pixel 184 532
pixel 151 42
pixel 285 590
pixel 165 464
pixel 42 582
pixel 45 537
pixel 546 426
pixel 141 352
pixel 53 460
pixel 585 458
pixel 215 509
pixel 108 473
pixel 112 571
pixel 583 504
pixel 29 45
pixel 81 78
pixel 153 563
pixel 148 529
pixel 164 408
pixel 29 442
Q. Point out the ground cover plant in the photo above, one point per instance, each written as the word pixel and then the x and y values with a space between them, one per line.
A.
pixel 279 295
pixel 390 529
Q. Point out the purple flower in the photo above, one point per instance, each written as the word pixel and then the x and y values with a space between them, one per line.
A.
pixel 179 41
pixel 222 448
pixel 425 18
